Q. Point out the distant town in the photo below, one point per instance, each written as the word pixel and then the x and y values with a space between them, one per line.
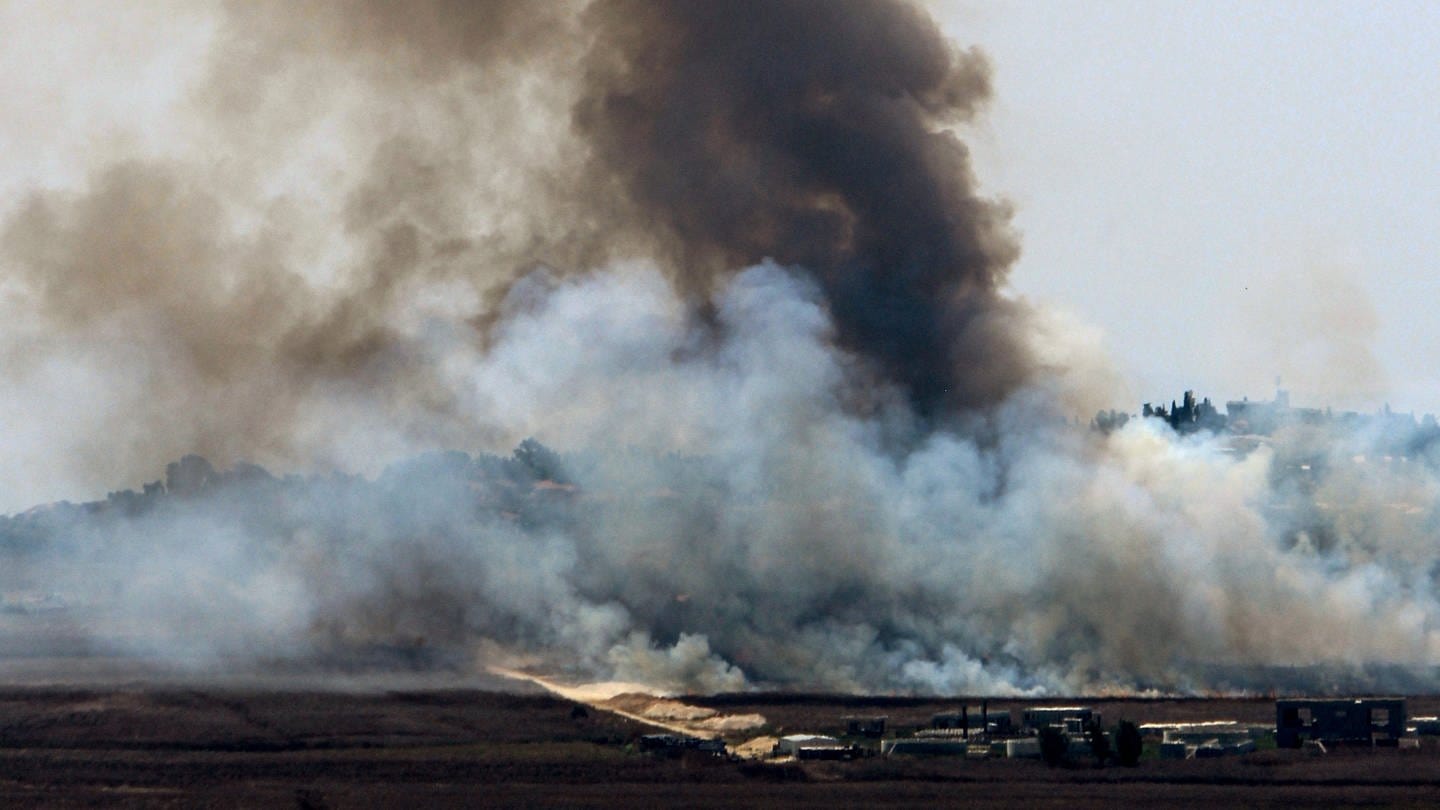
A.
pixel 1251 421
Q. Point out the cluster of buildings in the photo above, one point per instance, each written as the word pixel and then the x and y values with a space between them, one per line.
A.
pixel 972 732
pixel 977 732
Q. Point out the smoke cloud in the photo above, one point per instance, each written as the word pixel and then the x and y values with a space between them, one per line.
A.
pixel 731 261
pixel 813 137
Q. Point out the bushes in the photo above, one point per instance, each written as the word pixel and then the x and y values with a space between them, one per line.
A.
pixel 1128 744
pixel 1054 745
pixel 1099 743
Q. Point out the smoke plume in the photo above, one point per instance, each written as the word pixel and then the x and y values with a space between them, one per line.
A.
pixel 730 260
pixel 813 136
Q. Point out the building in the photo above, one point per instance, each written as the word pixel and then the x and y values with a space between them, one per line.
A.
pixel 1205 739
pixel 790 746
pixel 925 747
pixel 1069 719
pixel 1366 721
pixel 865 726
pixel 969 721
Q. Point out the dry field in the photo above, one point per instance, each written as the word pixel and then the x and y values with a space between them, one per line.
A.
pixel 165 746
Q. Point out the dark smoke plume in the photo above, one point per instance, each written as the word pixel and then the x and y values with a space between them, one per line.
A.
pixel 719 135
pixel 455 146
pixel 810 133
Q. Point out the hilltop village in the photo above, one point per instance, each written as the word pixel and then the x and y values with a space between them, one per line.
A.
pixel 1252 422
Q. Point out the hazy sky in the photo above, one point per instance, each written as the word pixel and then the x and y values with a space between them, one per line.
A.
pixel 1230 191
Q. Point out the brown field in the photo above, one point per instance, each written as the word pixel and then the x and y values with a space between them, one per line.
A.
pixel 166 746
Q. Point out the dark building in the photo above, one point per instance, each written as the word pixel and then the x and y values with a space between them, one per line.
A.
pixel 865 726
pixel 974 720
pixel 1070 719
pixel 1366 721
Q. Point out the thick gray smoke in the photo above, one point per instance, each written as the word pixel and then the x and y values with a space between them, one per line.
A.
pixel 730 259
pixel 810 135
pixel 347 179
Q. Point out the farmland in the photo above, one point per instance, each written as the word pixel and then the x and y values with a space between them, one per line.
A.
pixel 223 746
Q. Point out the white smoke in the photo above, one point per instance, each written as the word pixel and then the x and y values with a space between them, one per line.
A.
pixel 1049 558
pixel 315 246
pixel 804 548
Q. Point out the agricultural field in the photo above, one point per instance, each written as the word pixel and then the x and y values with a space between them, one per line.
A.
pixel 218 746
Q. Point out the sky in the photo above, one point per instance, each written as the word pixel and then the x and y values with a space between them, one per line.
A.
pixel 1230 192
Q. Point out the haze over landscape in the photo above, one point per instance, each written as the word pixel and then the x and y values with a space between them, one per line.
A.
pixel 300 285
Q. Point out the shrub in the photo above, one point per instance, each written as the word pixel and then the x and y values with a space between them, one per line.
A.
pixel 1128 744
pixel 1054 745
pixel 1099 743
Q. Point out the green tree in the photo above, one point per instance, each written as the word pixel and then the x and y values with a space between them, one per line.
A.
pixel 1128 744
pixel 543 463
pixel 1099 743
pixel 1054 745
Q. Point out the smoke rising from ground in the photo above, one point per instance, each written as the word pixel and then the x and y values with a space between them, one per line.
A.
pixel 731 259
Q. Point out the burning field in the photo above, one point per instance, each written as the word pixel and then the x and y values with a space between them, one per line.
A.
pixel 459 402
pixel 667 343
